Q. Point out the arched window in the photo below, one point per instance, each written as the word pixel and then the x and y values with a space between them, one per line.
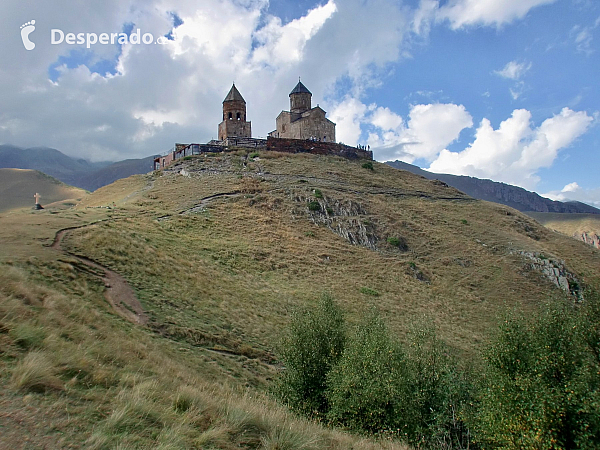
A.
pixel 230 116
pixel 239 116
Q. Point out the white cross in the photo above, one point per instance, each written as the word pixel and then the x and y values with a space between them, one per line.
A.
pixel 37 198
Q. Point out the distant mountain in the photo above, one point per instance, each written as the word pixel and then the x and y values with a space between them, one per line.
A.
pixel 18 186
pixel 72 171
pixel 503 193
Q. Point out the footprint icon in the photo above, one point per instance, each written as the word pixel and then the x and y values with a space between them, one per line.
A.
pixel 26 30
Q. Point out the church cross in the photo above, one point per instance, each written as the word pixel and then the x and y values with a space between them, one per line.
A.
pixel 37 198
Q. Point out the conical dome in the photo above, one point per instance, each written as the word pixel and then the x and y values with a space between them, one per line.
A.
pixel 300 89
pixel 234 95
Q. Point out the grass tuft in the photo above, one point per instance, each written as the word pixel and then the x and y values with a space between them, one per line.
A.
pixel 35 373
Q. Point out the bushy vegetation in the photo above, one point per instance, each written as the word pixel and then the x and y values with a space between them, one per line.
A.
pixel 539 386
pixel 313 346
pixel 372 383
pixel 542 384
pixel 314 206
pixel 368 166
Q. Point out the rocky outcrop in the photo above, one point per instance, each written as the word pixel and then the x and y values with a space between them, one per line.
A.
pixel 346 218
pixel 555 271
pixel 588 237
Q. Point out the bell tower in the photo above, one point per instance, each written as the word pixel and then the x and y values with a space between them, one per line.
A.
pixel 234 123
pixel 300 99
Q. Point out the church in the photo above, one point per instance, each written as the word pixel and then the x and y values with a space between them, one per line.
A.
pixel 303 121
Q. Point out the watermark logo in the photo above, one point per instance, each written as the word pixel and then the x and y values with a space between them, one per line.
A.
pixel 58 36
pixel 26 30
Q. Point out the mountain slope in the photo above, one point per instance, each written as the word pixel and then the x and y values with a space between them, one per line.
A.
pixel 75 172
pixel 502 193
pixel 585 227
pixel 17 187
pixel 219 250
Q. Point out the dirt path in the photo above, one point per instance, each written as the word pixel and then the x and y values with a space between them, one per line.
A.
pixel 118 293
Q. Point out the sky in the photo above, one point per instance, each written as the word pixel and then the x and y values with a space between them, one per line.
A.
pixel 500 89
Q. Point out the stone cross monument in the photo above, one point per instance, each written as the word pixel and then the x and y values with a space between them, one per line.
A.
pixel 37 201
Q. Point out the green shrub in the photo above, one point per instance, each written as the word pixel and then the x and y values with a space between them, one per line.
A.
pixel 313 345
pixel 318 193
pixel 435 393
pixel 542 383
pixel 464 221
pixel 368 165
pixel 253 155
pixel 368 291
pixel 364 387
pixel 397 242
pixel 330 211
pixel 314 206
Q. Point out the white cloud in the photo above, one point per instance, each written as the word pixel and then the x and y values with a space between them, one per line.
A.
pixel 574 192
pixel 462 13
pixel 348 115
pixel 515 151
pixel 173 92
pixel 514 70
pixel 429 129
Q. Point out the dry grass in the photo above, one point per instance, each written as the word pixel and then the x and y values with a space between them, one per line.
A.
pixel 226 278
pixel 35 373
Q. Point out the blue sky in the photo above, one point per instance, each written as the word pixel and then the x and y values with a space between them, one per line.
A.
pixel 500 89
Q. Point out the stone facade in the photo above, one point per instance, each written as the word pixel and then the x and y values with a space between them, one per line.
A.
pixel 303 121
pixel 234 124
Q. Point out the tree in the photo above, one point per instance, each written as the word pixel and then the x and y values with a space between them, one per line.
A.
pixel 312 346
pixel 364 387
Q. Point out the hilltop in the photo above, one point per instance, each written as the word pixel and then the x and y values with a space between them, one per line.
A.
pixel 218 250
pixel 17 187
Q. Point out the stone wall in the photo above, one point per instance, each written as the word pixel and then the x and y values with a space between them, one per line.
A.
pixel 316 147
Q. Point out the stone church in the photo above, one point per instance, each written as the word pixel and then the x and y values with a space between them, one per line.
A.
pixel 234 123
pixel 303 121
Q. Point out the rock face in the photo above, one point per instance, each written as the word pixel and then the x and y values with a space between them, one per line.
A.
pixel 492 191
pixel 555 271
pixel 346 218
pixel 589 238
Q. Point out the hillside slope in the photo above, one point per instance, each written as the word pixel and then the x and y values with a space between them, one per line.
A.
pixel 17 188
pixel 219 250
pixel 505 194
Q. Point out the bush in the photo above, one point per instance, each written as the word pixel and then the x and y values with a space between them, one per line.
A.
pixel 318 193
pixel 435 392
pixel 314 206
pixel 397 242
pixel 313 345
pixel 253 155
pixel 368 165
pixel 364 388
pixel 542 383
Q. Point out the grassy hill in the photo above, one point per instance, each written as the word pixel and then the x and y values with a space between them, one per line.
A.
pixel 218 251
pixel 581 226
pixel 17 187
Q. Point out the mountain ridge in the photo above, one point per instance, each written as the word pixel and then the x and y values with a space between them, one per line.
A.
pixel 72 171
pixel 498 192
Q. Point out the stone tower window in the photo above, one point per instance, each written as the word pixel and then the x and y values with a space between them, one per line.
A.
pixel 239 116
pixel 230 116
